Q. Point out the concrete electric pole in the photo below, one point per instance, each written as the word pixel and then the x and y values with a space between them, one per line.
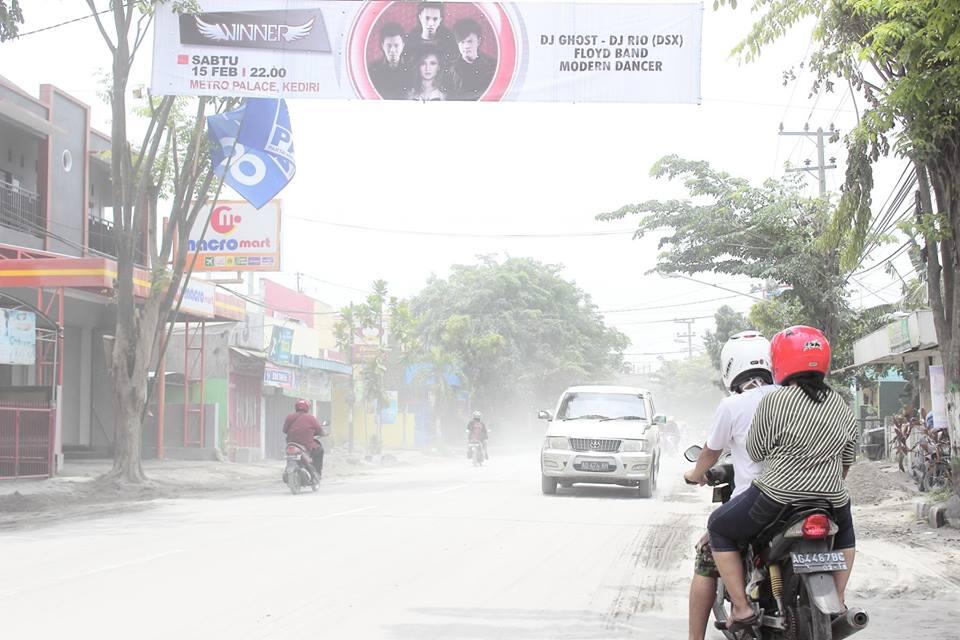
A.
pixel 821 137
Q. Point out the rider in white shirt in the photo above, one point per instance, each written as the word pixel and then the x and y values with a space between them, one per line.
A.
pixel 745 367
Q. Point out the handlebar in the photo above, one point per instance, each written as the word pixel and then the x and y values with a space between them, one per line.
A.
pixel 720 474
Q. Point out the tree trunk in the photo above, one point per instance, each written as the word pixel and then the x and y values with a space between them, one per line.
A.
pixel 942 263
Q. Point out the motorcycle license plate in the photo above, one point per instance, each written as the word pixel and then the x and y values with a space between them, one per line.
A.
pixel 818 562
pixel 595 466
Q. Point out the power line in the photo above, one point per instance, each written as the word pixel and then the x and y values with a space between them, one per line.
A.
pixel 634 322
pixel 892 256
pixel 71 21
pixel 454 234
pixel 658 353
pixel 667 306
pixel 715 286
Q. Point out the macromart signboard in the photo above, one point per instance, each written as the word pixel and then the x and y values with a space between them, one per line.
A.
pixel 238 238
pixel 199 297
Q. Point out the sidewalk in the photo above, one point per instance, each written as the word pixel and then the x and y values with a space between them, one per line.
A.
pixel 78 492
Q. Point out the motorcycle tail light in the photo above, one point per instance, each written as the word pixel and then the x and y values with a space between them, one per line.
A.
pixel 293 451
pixel 816 527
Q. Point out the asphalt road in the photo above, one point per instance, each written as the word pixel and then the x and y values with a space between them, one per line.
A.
pixel 443 550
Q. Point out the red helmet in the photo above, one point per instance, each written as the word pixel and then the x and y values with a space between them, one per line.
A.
pixel 302 405
pixel 797 350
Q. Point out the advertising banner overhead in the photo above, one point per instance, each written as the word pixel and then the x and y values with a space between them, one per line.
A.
pixel 239 238
pixel 431 51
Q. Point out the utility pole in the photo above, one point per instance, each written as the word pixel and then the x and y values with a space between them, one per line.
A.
pixel 299 288
pixel 689 335
pixel 821 137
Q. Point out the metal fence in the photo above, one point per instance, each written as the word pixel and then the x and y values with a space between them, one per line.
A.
pixel 26 440
pixel 21 209
pixel 874 439
pixel 102 238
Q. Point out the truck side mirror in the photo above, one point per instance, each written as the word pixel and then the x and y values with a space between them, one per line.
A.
pixel 544 415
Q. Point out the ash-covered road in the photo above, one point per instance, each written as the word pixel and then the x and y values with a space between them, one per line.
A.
pixel 443 550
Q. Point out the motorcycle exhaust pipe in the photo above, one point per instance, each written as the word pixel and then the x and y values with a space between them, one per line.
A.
pixel 850 622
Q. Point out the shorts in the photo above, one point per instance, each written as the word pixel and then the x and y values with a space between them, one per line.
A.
pixel 703 563
pixel 746 515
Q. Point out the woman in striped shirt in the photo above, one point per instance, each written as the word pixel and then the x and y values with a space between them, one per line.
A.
pixel 806 436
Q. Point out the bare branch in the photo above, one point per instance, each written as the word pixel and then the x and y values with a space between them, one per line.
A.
pixel 155 130
pixel 103 30
pixel 143 28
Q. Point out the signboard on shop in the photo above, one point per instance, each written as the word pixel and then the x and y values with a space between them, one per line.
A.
pixel 382 50
pixel 18 337
pixel 238 238
pixel 199 298
pixel 278 377
pixel 281 344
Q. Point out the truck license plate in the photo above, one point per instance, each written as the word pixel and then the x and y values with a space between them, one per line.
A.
pixel 595 466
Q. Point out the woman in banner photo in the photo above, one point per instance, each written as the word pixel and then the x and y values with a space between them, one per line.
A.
pixel 428 71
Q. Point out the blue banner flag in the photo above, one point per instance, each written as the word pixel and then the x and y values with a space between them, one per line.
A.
pixel 259 139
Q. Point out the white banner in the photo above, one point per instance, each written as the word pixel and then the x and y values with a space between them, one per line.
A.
pixel 431 51
pixel 938 397
pixel 18 337
pixel 239 238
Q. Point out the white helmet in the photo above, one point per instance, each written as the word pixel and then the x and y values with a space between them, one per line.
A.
pixel 744 352
pixel 476 415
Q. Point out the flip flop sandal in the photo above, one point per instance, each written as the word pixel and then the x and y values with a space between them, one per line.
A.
pixel 741 625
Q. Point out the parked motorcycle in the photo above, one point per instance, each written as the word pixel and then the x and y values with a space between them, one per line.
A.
pixel 476 454
pixel 789 569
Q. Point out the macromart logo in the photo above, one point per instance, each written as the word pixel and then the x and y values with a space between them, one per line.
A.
pixel 224 221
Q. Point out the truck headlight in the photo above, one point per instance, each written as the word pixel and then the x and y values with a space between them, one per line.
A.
pixel 554 442
pixel 635 446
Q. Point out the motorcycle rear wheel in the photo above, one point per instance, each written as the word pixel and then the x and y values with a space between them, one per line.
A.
pixel 294 482
pixel 936 478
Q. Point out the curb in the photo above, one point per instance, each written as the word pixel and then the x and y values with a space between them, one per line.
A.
pixel 938 513
pixel 935 514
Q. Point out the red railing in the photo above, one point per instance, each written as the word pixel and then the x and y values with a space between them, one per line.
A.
pixel 244 412
pixel 26 440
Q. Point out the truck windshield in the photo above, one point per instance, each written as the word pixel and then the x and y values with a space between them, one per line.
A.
pixel 602 405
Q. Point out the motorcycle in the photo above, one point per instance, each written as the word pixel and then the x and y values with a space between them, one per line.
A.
pixel 297 474
pixel 475 452
pixel 788 570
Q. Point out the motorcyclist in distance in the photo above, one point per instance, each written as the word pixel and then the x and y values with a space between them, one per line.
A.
pixel 477 432
pixel 301 428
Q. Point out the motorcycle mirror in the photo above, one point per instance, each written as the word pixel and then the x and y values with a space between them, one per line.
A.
pixel 324 423
pixel 693 453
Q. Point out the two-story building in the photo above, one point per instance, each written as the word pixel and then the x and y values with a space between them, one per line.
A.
pixel 57 267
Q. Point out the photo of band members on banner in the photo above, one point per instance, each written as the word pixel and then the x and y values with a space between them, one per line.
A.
pixel 432 51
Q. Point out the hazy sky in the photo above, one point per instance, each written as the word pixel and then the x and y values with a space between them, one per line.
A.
pixel 467 168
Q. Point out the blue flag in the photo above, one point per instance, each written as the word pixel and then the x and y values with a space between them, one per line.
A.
pixel 259 139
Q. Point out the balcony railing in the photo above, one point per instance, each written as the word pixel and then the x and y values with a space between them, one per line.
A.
pixel 101 237
pixel 21 209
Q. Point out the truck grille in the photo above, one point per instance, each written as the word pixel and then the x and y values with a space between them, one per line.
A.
pixel 592 444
